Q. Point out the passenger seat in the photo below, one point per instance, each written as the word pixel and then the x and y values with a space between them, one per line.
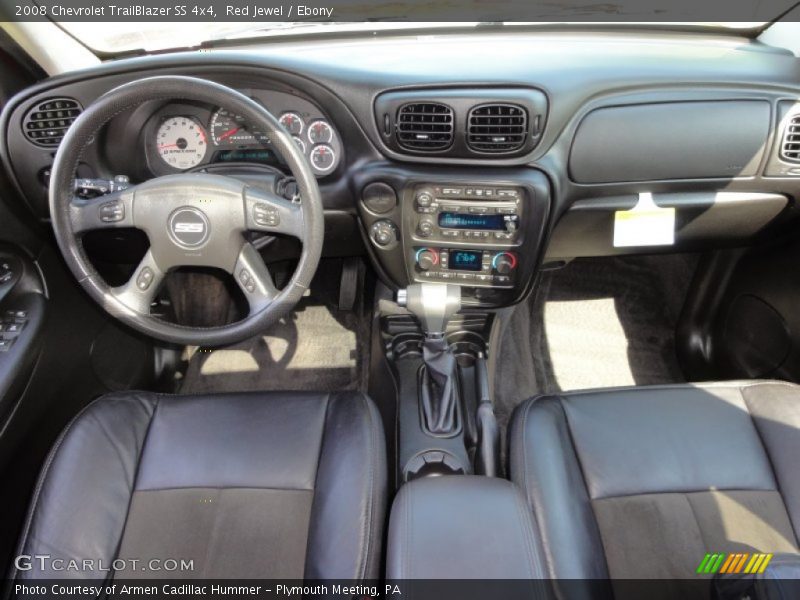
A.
pixel 642 482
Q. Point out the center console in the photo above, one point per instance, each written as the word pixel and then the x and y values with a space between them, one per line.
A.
pixel 452 244
pixel 481 231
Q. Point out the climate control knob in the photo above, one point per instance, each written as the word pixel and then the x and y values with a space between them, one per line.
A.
pixel 504 262
pixel 427 258
pixel 425 227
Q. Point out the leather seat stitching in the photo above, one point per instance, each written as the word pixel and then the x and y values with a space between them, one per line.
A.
pixel 523 446
pixel 532 562
pixel 157 403
pixel 769 456
pixel 410 530
pixel 366 528
pixel 317 471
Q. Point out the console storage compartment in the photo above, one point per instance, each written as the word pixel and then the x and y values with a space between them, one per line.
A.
pixel 463 527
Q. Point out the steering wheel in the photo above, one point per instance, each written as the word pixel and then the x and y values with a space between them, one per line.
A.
pixel 191 219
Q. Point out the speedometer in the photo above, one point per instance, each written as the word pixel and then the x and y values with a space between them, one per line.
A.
pixel 229 129
pixel 181 142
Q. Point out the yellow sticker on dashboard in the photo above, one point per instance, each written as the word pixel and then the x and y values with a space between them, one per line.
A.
pixel 646 224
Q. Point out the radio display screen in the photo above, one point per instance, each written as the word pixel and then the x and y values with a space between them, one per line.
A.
pixel 451 220
pixel 465 260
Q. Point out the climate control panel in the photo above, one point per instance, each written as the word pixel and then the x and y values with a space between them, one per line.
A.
pixel 465 266
pixel 481 229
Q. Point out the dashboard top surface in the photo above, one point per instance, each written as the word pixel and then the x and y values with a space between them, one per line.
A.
pixel 577 71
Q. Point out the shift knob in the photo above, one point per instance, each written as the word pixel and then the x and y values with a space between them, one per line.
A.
pixel 432 303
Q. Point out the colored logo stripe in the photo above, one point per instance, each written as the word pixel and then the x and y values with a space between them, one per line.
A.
pixel 736 562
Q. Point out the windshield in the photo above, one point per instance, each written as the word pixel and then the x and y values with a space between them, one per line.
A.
pixel 121 37
pixel 154 36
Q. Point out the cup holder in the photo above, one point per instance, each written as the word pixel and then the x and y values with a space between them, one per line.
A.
pixel 467 346
pixel 433 463
pixel 406 344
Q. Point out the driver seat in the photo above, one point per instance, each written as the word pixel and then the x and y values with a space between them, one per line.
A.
pixel 259 485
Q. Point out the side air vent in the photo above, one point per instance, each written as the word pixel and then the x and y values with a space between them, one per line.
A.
pixel 425 126
pixel 46 123
pixel 790 147
pixel 497 128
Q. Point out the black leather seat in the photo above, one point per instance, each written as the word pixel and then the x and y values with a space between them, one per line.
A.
pixel 279 485
pixel 643 482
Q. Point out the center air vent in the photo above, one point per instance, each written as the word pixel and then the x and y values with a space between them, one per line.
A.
pixel 790 148
pixel 497 128
pixel 46 123
pixel 425 126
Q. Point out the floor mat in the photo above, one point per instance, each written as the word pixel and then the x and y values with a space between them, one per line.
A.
pixel 595 323
pixel 315 347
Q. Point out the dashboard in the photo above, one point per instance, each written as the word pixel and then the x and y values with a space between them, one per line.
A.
pixel 472 159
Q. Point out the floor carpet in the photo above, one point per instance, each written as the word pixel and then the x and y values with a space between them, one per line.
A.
pixel 595 323
pixel 315 347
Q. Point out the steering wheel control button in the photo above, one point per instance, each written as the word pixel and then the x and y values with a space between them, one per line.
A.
pixel 111 212
pixel 5 345
pixel 145 278
pixel 6 272
pixel 247 281
pixel 266 215
pixel 188 227
pixel 13 328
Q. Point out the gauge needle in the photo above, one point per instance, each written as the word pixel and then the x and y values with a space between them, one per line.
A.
pixel 228 133
pixel 168 145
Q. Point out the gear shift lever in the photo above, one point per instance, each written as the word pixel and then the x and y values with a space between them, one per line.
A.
pixel 434 305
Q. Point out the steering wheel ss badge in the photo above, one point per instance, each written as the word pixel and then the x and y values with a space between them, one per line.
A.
pixel 188 227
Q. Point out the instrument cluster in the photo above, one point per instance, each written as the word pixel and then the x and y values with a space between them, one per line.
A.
pixel 182 137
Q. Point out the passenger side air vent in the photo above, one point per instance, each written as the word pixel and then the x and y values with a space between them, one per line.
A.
pixel 790 147
pixel 46 123
pixel 425 126
pixel 497 128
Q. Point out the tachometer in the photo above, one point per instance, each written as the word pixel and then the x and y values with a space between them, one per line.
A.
pixel 229 129
pixel 181 142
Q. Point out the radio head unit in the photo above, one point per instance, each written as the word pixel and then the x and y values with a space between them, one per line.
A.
pixel 482 214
